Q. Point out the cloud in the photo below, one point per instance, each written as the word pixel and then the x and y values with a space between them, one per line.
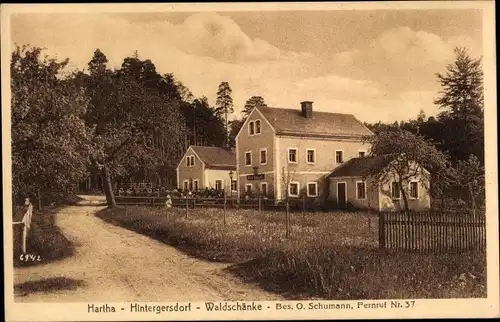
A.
pixel 402 58
pixel 392 77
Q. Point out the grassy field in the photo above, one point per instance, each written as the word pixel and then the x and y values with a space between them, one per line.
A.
pixel 328 255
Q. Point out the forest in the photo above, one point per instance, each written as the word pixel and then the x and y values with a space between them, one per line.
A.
pixel 133 123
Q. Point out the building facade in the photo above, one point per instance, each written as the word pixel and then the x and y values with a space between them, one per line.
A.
pixel 289 151
pixel 358 183
pixel 204 167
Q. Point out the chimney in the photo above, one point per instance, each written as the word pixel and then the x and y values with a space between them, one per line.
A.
pixel 307 109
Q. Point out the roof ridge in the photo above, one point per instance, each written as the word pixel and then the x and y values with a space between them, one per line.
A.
pixel 297 110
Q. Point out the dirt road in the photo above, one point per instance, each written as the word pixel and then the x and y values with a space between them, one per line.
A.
pixel 115 264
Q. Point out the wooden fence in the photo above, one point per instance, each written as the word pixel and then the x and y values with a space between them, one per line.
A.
pixel 296 204
pixel 426 231
pixel 21 230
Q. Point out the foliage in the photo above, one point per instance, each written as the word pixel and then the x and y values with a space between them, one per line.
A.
pixel 251 103
pixel 412 156
pixel 462 100
pixel 470 177
pixel 136 116
pixel 50 143
pixel 224 105
pixel 206 128
pixel 234 128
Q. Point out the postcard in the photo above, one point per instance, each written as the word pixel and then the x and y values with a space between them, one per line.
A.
pixel 249 161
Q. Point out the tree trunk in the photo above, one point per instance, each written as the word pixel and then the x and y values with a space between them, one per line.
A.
pixel 405 198
pixel 108 188
pixel 227 131
pixel 39 199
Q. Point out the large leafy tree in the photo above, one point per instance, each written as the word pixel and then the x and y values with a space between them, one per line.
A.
pixel 50 143
pixel 224 105
pixel 251 103
pixel 136 117
pixel 410 155
pixel 462 102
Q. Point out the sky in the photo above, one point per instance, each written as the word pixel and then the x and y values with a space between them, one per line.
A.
pixel 379 65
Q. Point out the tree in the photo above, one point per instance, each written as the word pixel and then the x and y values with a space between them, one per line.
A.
pixel 235 126
pixel 462 102
pixel 205 127
pixel 470 177
pixel 251 103
pixel 224 105
pixel 50 143
pixel 138 125
pixel 411 155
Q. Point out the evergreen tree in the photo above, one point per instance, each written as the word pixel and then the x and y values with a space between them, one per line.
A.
pixel 224 105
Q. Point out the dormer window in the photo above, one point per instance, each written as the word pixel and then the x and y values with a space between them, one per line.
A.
pixel 251 128
pixel 257 127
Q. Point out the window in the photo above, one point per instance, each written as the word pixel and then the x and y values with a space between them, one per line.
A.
pixel 251 128
pixel 293 189
pixel 292 155
pixel 218 185
pixel 248 188
pixel 414 189
pixel 186 185
pixel 396 192
pixel 311 157
pixel 248 158
pixel 360 190
pixel 190 160
pixel 263 156
pixel 339 156
pixel 257 127
pixel 195 184
pixel 361 154
pixel 234 185
pixel 263 188
pixel 312 189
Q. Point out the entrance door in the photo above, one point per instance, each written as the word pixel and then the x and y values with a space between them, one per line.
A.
pixel 341 194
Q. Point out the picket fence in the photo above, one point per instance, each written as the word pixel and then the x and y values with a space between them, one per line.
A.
pixel 429 231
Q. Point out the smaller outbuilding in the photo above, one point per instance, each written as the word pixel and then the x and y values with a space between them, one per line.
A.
pixel 372 182
pixel 204 167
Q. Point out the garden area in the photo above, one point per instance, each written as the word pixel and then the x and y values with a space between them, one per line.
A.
pixel 327 255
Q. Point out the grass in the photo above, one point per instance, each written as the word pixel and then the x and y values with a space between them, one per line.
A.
pixel 329 255
pixel 44 239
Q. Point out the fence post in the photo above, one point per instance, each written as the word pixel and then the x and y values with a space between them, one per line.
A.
pixel 303 203
pixel 260 203
pixel 287 233
pixel 381 230
pixel 224 208
pixel 187 206
pixel 26 226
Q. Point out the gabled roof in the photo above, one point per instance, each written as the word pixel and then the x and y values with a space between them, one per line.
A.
pixel 362 167
pixel 216 157
pixel 321 124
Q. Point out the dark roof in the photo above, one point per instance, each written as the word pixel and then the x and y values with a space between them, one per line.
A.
pixel 362 167
pixel 291 121
pixel 216 157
